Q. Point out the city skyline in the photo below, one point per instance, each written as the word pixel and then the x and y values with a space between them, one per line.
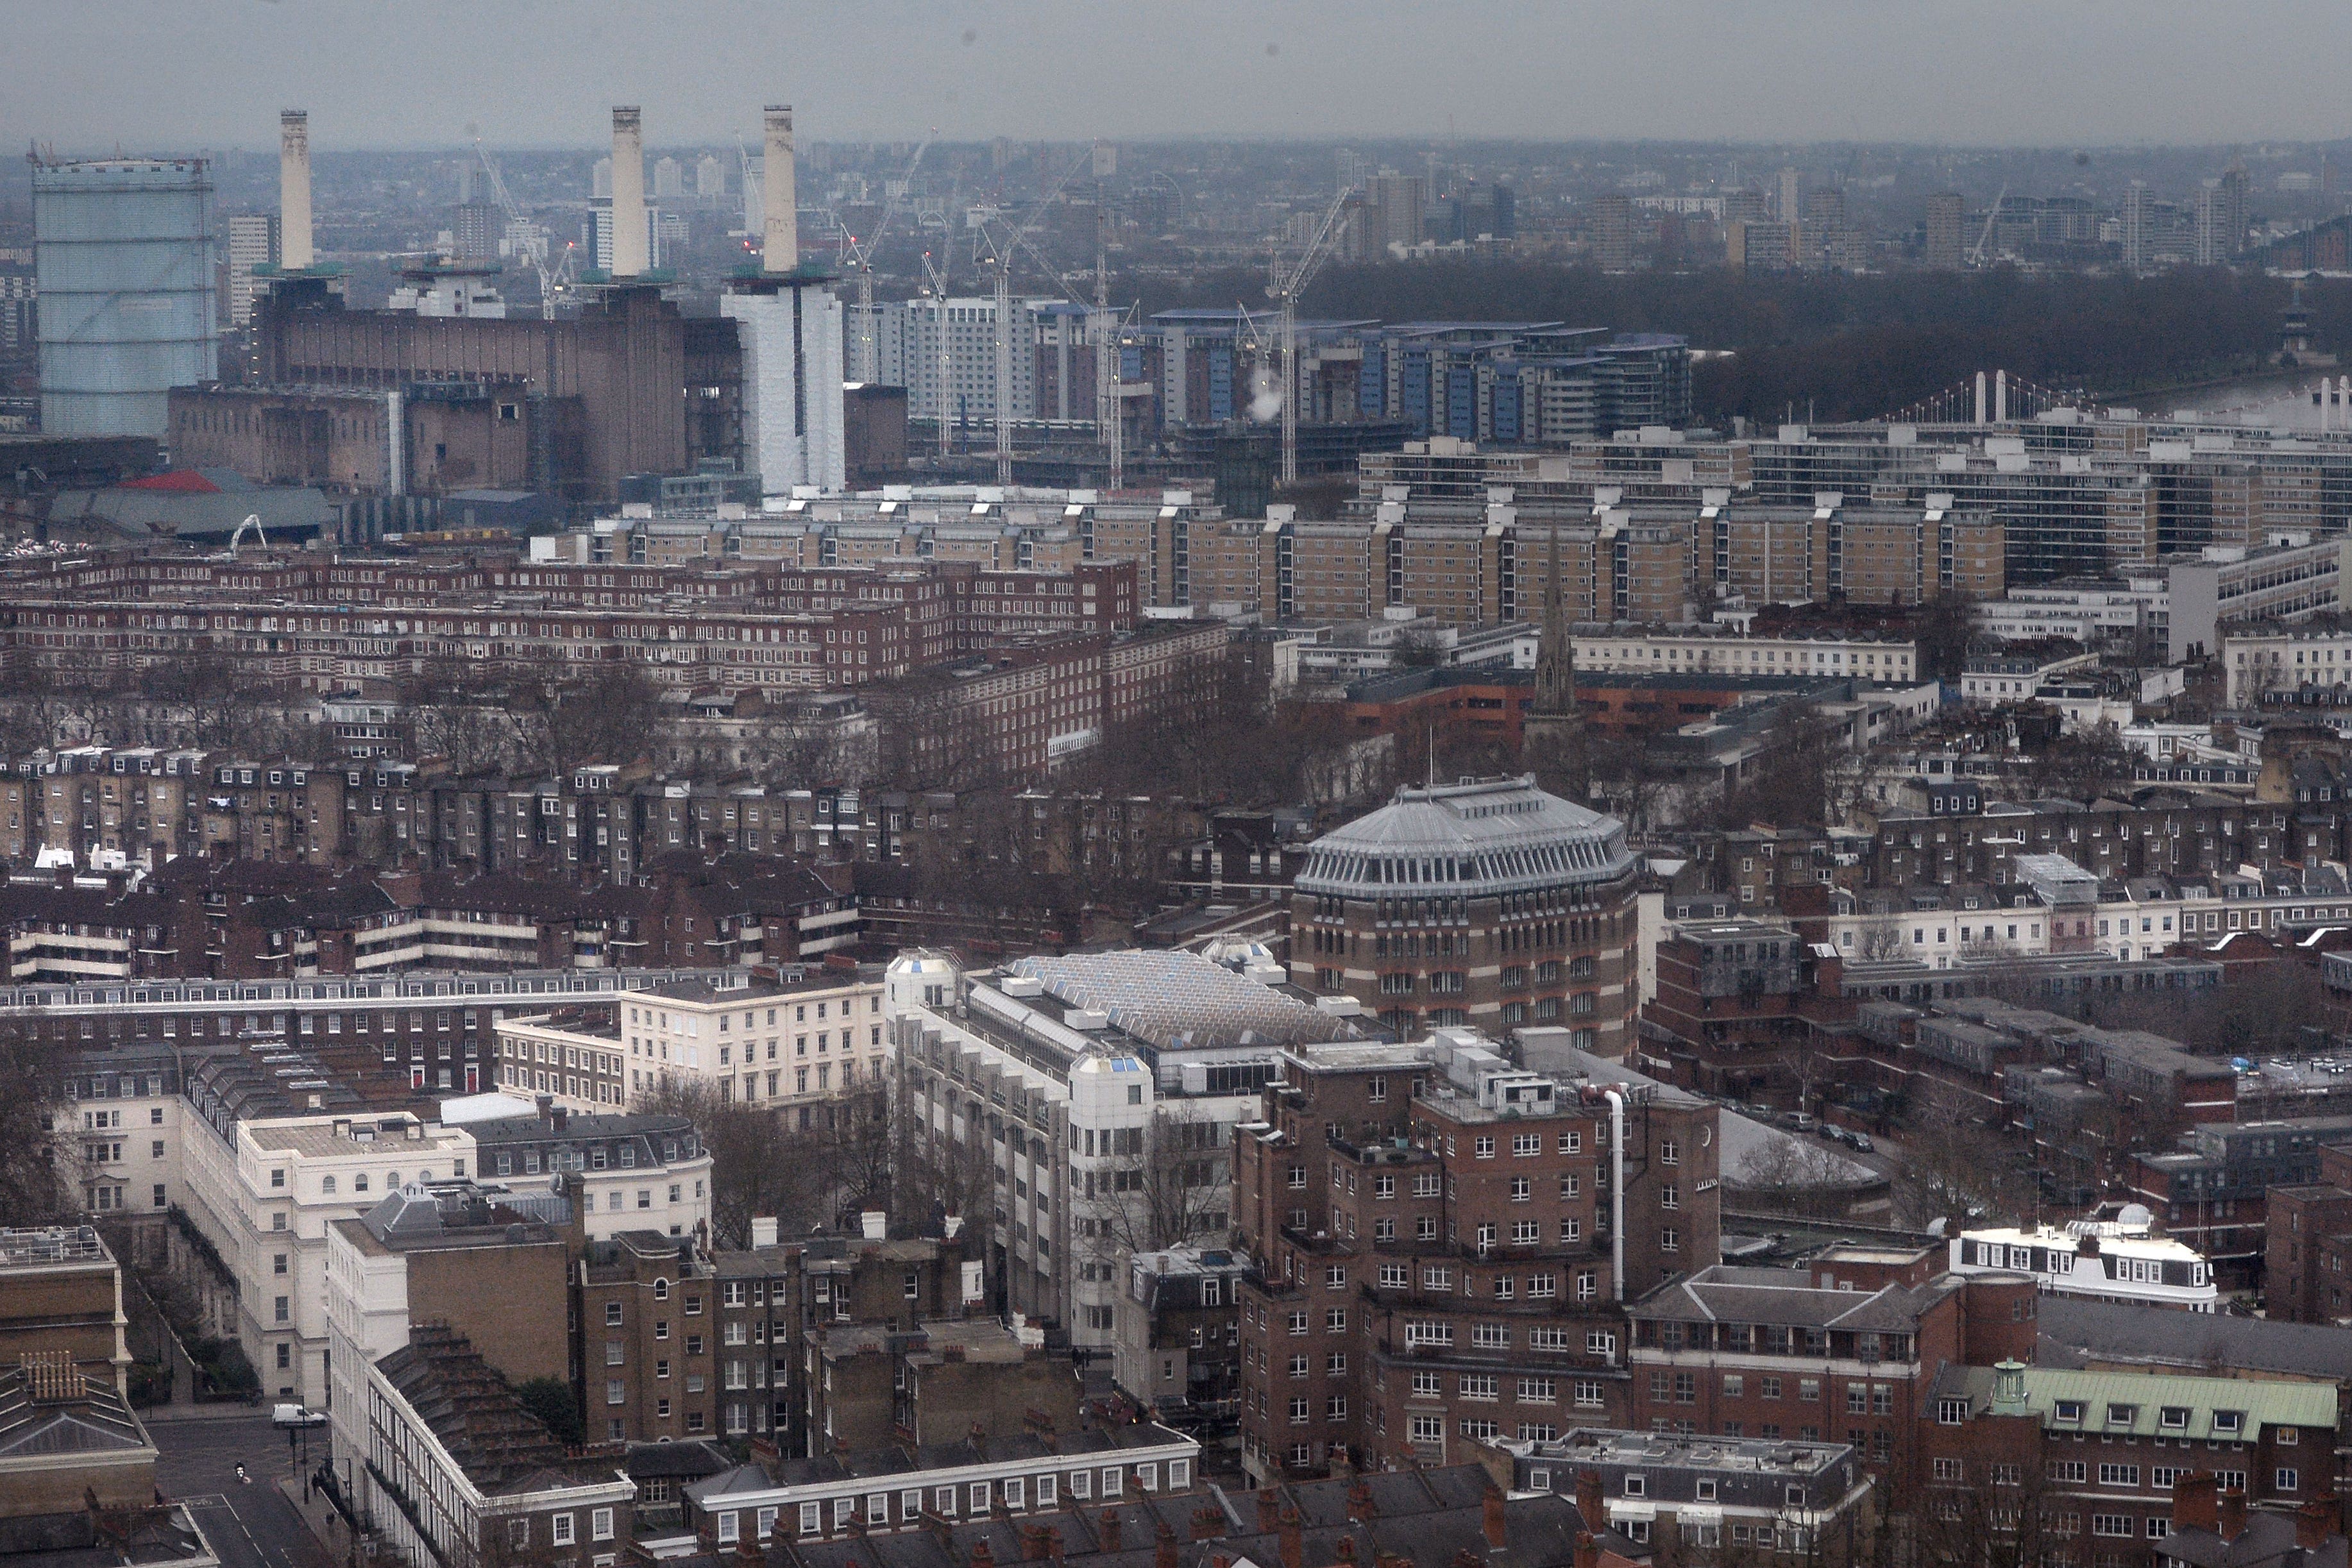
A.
pixel 522 74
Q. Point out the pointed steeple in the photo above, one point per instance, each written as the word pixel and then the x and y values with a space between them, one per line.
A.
pixel 1553 736
pixel 1556 660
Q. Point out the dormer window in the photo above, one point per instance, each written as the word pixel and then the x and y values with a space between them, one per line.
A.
pixel 2067 1410
pixel 2122 1415
pixel 2173 1417
pixel 2232 1422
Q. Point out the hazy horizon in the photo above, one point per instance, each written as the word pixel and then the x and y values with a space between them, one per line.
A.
pixel 159 77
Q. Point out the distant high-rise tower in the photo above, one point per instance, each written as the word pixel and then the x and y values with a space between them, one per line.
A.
pixel 1824 230
pixel 1612 232
pixel 252 241
pixel 669 179
pixel 599 181
pixel 2233 213
pixel 600 236
pixel 1105 160
pixel 790 327
pixel 2139 228
pixel 475 230
pixel 1945 249
pixel 1393 209
pixel 709 178
pixel 2209 239
pixel 1791 197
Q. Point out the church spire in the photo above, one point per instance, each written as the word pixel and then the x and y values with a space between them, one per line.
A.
pixel 1556 659
pixel 1553 733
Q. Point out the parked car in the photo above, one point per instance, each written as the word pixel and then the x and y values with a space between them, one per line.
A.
pixel 1799 1122
pixel 1860 1144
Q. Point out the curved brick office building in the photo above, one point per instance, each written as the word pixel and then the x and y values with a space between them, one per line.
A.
pixel 1491 905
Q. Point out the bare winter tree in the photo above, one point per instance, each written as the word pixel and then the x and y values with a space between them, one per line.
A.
pixel 764 1164
pixel 2082 765
pixel 1169 1189
pixel 932 736
pixel 611 714
pixel 1995 1514
pixel 1953 1163
pixel 1881 940
pixel 39 1158
pixel 1792 1176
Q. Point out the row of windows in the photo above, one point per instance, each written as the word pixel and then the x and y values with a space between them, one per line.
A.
pixel 1012 1492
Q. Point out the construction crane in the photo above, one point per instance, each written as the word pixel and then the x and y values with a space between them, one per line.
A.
pixel 1984 240
pixel 1109 417
pixel 1284 288
pixel 861 256
pixel 553 279
pixel 1001 260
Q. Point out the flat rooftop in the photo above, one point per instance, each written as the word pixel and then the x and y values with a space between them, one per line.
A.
pixel 51 1246
pixel 345 1136
pixel 1665 1450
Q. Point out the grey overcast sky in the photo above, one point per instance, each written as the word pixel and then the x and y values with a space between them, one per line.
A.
pixel 178 75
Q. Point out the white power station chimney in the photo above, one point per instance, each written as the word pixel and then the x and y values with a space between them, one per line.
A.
pixel 628 193
pixel 780 239
pixel 294 190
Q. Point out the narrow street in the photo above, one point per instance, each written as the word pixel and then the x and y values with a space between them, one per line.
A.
pixel 249 1524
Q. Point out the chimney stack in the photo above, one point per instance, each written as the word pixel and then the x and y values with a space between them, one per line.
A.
pixel 2316 1521
pixel 628 193
pixel 294 188
pixel 1269 1512
pixel 1588 1551
pixel 1106 1529
pixel 1588 1507
pixel 2193 1501
pixel 1291 1540
pixel 1493 1520
pixel 779 242
pixel 1163 1549
pixel 2234 1512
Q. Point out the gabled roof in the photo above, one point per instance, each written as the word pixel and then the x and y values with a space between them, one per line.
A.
pixel 1785 1297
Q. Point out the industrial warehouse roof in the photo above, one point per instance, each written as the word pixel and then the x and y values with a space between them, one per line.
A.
pixel 1471 840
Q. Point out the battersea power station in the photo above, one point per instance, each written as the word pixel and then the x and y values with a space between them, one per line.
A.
pixel 444 390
